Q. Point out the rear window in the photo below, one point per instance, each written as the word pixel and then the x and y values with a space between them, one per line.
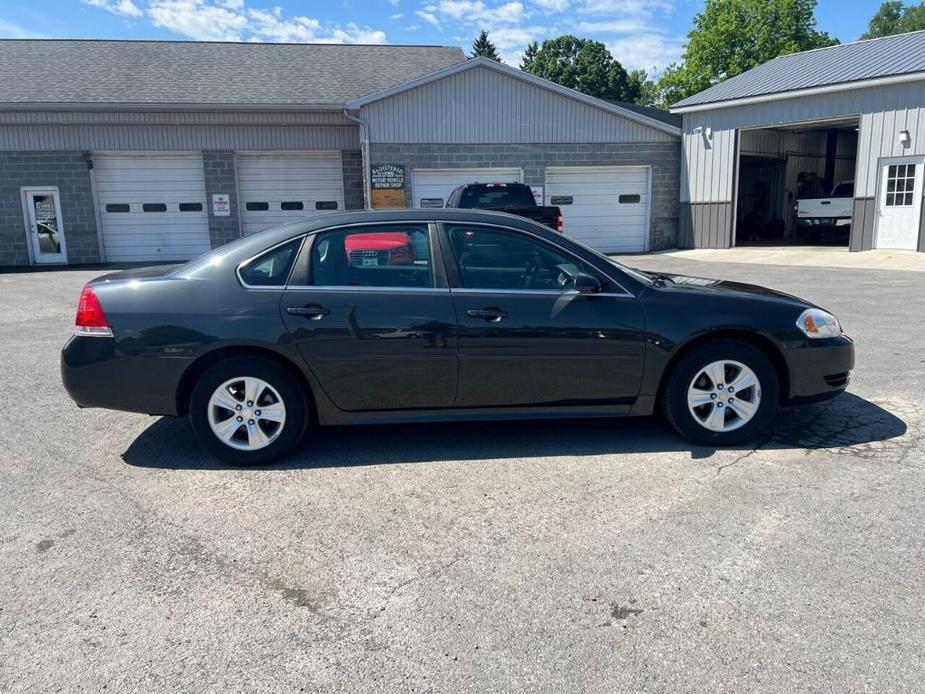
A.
pixel 478 197
pixel 843 190
pixel 272 268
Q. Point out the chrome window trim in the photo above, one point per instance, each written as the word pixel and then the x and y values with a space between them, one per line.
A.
pixel 362 288
pixel 539 292
pixel 624 293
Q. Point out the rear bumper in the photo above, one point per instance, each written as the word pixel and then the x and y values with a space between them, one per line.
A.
pixel 819 369
pixel 96 374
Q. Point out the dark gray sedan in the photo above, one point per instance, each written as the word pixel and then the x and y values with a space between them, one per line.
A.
pixel 424 315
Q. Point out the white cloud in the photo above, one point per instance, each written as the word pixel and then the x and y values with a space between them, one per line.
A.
pixel 397 15
pixel 647 51
pixel 9 30
pixel 619 26
pixel 552 6
pixel 428 17
pixel 395 2
pixel 476 12
pixel 233 20
pixel 625 7
pixel 125 8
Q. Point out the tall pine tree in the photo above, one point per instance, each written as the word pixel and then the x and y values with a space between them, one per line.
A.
pixel 484 48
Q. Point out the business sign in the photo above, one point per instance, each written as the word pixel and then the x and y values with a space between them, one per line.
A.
pixel 221 205
pixel 387 182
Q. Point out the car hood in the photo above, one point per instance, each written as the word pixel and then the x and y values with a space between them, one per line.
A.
pixel 703 285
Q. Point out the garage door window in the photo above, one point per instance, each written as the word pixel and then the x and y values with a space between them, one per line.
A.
pixel 288 206
pixel 630 199
pixel 117 207
pixel 190 207
pixel 257 206
pixel 154 207
pixel 383 256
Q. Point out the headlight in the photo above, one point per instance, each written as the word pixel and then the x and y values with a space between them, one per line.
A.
pixel 817 324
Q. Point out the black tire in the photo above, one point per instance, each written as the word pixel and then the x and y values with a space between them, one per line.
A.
pixel 675 394
pixel 282 381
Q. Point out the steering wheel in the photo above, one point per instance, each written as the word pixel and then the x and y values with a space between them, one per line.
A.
pixel 532 270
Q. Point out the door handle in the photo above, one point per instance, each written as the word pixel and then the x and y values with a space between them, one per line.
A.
pixel 312 312
pixel 490 314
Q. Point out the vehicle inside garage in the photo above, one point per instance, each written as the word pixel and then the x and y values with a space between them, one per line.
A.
pixel 795 184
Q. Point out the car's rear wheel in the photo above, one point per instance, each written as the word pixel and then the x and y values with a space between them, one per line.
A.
pixel 721 393
pixel 248 411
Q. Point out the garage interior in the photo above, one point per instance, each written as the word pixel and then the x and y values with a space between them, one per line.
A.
pixel 779 166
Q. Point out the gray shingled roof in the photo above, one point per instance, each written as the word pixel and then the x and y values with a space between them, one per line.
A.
pixel 658 114
pixel 200 73
pixel 850 62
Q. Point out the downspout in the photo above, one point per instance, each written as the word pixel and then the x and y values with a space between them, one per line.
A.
pixel 364 156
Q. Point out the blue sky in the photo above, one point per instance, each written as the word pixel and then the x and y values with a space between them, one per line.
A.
pixel 640 33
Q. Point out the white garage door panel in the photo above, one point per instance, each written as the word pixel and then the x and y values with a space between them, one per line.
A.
pixel 141 179
pixel 430 184
pixel 279 180
pixel 596 216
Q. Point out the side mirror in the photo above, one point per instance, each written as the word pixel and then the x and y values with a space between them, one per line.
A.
pixel 587 284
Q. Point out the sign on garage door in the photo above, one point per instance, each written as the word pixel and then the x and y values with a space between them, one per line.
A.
pixel 152 206
pixel 431 187
pixel 605 207
pixel 280 187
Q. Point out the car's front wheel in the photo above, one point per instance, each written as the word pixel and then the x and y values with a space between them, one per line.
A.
pixel 248 411
pixel 721 393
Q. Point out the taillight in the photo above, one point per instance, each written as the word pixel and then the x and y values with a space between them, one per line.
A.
pixel 560 224
pixel 91 321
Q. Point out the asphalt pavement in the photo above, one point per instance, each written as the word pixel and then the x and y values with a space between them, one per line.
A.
pixel 575 556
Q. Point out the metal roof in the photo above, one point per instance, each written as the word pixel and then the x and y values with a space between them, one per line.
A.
pixel 184 73
pixel 903 54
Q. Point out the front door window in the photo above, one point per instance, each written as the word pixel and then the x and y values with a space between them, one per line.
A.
pixel 44 226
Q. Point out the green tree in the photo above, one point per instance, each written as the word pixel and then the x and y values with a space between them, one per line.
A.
pixel 732 36
pixel 895 18
pixel 581 64
pixel 644 88
pixel 483 47
pixel 529 56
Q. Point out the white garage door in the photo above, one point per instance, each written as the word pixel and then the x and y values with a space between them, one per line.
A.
pixel 279 187
pixel 434 186
pixel 605 207
pixel 152 206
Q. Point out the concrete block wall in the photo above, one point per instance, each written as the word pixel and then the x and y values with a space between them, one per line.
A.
pixel 352 164
pixel 66 170
pixel 218 166
pixel 664 158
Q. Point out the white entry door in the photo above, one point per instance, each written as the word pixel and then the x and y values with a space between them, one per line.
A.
pixel 431 187
pixel 43 225
pixel 280 187
pixel 606 207
pixel 900 204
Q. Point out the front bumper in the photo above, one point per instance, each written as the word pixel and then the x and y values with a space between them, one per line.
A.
pixel 819 369
pixel 96 374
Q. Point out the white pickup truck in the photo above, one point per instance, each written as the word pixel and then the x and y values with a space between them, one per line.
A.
pixel 833 211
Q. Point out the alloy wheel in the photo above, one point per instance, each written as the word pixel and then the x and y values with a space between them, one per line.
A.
pixel 246 413
pixel 724 396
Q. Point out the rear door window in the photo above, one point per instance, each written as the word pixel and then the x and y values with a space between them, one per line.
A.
pixel 373 256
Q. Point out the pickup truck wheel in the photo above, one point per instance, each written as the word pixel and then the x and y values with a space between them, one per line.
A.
pixel 721 393
pixel 248 411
